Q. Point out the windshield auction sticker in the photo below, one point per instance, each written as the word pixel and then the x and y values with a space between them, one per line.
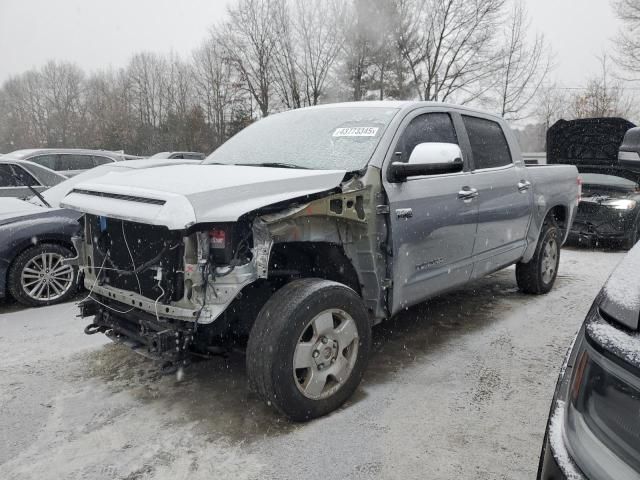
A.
pixel 356 132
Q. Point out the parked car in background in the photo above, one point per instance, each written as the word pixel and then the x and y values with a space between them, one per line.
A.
pixel 67 161
pixel 593 430
pixel 35 236
pixel 303 245
pixel 182 155
pixel 19 178
pixel 609 210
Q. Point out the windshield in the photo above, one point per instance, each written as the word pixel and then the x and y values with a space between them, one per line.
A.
pixel 341 138
pixel 608 181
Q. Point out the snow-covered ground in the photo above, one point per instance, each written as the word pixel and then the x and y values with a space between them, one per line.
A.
pixel 459 387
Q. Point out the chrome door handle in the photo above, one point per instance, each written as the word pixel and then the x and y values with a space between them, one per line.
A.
pixel 524 185
pixel 467 193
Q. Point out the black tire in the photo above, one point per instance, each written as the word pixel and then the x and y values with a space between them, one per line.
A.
pixel 532 277
pixel 273 340
pixel 634 236
pixel 20 292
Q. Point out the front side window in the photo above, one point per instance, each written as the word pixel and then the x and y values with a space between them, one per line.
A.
pixel 426 128
pixel 488 143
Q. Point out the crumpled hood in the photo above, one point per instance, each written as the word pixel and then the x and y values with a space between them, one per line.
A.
pixel 13 209
pixel 621 299
pixel 182 195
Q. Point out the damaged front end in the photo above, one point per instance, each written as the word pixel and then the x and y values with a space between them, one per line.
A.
pixel 169 293
pixel 150 287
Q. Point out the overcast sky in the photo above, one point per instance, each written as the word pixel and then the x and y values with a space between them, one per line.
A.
pixel 99 33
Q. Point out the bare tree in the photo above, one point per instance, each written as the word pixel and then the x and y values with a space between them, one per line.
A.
pixel 452 53
pixel 523 66
pixel 250 38
pixel 603 97
pixel 552 104
pixel 317 30
pixel 217 87
pixel 628 39
pixel 286 73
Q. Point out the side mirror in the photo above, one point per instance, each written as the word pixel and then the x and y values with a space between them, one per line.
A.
pixel 629 152
pixel 428 159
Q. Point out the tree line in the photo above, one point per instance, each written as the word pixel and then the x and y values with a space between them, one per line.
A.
pixel 271 55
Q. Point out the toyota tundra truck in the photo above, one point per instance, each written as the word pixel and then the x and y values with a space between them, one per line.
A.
pixel 306 229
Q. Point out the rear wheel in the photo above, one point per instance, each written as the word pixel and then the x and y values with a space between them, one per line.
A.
pixel 309 347
pixel 39 277
pixel 539 274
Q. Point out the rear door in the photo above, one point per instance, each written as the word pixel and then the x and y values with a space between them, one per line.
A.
pixel 504 196
pixel 432 229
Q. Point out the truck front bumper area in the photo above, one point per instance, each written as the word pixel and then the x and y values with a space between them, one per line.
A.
pixel 589 233
pixel 156 338
pixel 220 293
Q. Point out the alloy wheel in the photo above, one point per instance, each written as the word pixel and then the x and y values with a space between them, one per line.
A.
pixel 45 277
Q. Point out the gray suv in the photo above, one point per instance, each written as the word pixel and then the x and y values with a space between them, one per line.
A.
pixel 67 161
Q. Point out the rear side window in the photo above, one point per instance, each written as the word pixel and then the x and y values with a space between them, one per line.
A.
pixel 488 143
pixel 97 161
pixel 74 162
pixel 426 128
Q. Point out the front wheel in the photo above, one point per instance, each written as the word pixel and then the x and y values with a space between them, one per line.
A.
pixel 634 236
pixel 39 276
pixel 539 274
pixel 309 347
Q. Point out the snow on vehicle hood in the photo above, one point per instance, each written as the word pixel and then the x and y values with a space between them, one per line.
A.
pixel 12 209
pixel 621 297
pixel 183 195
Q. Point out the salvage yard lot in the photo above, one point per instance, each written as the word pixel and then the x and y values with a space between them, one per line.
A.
pixel 458 387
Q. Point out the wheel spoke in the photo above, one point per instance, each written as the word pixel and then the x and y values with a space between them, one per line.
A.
pixel 32 271
pixel 58 288
pixel 346 333
pixel 340 370
pixel 35 292
pixel 30 275
pixel 315 383
pixel 323 323
pixel 58 260
pixel 302 358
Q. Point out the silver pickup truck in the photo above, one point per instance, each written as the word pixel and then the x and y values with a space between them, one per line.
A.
pixel 307 228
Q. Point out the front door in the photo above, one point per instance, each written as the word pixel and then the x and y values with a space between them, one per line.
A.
pixel 432 226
